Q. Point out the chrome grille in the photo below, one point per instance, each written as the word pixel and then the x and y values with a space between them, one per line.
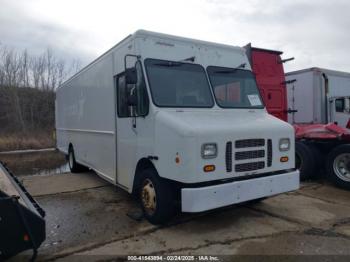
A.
pixel 249 143
pixel 245 150
pixel 269 152
pixel 249 166
pixel 249 154
pixel 228 156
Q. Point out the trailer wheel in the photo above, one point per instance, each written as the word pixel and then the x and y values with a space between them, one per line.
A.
pixel 304 160
pixel 73 165
pixel 156 197
pixel 319 159
pixel 338 166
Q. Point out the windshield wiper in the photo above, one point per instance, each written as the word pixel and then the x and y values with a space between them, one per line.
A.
pixel 169 64
pixel 231 70
pixel 190 59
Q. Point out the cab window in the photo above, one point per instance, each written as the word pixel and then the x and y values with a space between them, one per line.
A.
pixel 340 105
pixel 132 99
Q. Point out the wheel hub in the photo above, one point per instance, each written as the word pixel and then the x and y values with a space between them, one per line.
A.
pixel 148 197
pixel 341 166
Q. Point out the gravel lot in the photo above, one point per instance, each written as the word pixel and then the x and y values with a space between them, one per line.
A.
pixel 86 216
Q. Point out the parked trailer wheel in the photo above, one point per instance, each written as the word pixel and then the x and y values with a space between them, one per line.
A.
pixel 304 160
pixel 338 166
pixel 156 197
pixel 74 166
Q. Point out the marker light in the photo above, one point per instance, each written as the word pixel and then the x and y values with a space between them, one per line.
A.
pixel 284 159
pixel 209 168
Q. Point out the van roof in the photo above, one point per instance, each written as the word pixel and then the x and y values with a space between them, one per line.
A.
pixel 319 69
pixel 145 33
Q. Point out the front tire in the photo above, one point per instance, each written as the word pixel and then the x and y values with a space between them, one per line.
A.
pixel 304 160
pixel 156 197
pixel 338 166
pixel 73 165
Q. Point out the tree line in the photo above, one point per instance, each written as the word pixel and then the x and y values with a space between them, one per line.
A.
pixel 27 89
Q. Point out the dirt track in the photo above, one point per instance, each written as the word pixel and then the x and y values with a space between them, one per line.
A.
pixel 86 216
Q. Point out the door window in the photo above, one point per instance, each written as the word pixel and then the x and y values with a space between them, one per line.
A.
pixel 132 99
pixel 339 105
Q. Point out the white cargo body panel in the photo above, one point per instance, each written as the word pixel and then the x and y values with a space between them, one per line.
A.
pixel 298 93
pixel 312 92
pixel 85 113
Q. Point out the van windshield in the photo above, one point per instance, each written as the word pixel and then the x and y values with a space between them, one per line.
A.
pixel 177 84
pixel 234 88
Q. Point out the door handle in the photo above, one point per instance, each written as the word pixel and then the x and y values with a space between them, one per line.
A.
pixel 289 111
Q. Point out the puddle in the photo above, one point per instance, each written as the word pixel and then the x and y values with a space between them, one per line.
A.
pixel 43 172
pixel 38 163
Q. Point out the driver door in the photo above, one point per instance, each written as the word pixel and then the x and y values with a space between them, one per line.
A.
pixel 132 102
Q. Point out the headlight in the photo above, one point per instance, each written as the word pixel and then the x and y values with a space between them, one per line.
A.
pixel 284 144
pixel 209 150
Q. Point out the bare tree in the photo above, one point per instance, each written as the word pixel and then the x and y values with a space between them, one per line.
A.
pixel 61 72
pixel 11 64
pixel 27 88
pixel 25 69
pixel 75 66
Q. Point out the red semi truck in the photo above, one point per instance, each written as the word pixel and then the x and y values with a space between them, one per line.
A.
pixel 320 146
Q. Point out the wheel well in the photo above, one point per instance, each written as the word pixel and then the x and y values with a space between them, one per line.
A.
pixel 143 164
pixel 70 147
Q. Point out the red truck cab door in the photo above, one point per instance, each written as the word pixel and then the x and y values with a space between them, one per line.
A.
pixel 269 73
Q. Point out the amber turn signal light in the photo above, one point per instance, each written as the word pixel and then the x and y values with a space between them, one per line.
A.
pixel 209 168
pixel 284 159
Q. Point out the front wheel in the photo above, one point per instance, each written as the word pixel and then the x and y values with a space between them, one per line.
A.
pixel 338 166
pixel 74 166
pixel 156 197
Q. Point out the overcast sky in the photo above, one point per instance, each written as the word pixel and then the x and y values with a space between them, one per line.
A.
pixel 315 32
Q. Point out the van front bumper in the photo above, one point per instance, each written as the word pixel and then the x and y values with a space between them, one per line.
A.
pixel 210 197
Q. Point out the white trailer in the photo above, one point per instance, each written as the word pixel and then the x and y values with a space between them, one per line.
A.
pixel 318 95
pixel 175 121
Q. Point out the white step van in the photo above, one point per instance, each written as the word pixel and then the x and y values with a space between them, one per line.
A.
pixel 177 122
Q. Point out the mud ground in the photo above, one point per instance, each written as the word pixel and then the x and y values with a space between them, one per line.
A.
pixel 50 162
pixel 88 219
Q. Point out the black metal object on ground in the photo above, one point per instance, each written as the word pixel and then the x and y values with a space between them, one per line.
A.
pixel 22 223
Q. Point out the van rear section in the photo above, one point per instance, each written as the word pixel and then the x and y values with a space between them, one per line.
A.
pixel 175 120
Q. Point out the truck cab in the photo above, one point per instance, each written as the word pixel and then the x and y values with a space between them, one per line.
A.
pixel 189 126
pixel 339 108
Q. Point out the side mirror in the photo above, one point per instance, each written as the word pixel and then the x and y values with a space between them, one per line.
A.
pixel 132 100
pixel 131 76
